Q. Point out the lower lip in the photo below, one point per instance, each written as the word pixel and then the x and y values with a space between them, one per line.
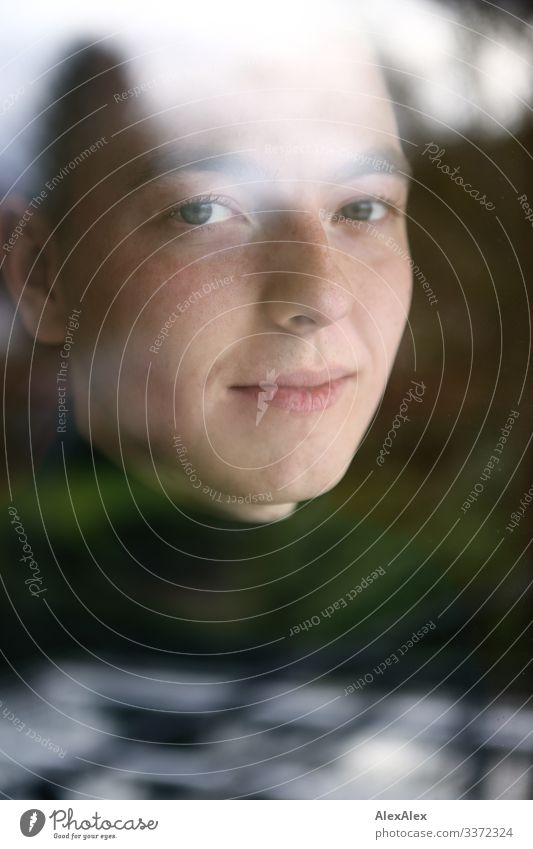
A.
pixel 301 400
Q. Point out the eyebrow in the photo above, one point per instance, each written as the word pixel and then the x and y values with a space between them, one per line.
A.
pixel 158 164
pixel 382 160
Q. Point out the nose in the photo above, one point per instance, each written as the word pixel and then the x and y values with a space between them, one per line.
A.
pixel 303 287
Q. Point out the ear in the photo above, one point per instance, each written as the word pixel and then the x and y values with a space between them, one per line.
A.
pixel 30 268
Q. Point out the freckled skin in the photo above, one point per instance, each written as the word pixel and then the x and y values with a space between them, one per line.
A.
pixel 306 293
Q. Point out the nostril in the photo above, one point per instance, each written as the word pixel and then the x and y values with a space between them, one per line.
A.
pixel 302 320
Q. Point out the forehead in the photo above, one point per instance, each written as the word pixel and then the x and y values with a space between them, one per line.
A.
pixel 312 111
pixel 216 89
pixel 303 104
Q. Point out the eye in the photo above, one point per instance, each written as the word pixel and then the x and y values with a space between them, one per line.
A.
pixel 202 211
pixel 366 209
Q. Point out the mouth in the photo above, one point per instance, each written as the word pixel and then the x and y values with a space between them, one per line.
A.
pixel 300 392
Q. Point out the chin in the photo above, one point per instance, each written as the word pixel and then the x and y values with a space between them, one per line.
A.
pixel 291 482
pixel 256 513
pixel 286 496
pixel 313 485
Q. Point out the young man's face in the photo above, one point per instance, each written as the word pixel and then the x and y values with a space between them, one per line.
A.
pixel 243 279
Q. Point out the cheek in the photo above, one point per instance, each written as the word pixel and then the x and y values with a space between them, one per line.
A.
pixel 180 335
pixel 388 298
pixel 378 318
pixel 402 288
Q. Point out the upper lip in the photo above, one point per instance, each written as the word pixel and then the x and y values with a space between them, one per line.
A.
pixel 300 378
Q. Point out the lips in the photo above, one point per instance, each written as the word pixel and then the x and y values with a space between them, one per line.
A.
pixel 300 392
